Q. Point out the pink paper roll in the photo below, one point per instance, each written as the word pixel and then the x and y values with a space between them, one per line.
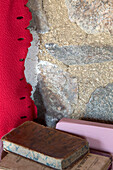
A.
pixel 1 149
pixel 99 135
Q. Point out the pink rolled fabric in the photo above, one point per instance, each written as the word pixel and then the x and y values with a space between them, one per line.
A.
pixel 99 135
pixel 1 148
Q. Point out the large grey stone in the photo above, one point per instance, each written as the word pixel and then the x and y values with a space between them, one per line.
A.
pixel 93 16
pixel 55 93
pixel 100 105
pixel 79 55
pixel 39 20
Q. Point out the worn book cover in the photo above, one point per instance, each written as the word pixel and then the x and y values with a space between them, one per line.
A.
pixel 88 162
pixel 45 145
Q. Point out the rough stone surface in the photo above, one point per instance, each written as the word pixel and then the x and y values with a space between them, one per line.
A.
pixel 55 93
pixel 39 20
pixel 31 61
pixel 93 16
pixel 66 33
pixel 100 105
pixel 78 55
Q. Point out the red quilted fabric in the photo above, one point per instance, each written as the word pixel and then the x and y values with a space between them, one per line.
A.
pixel 16 105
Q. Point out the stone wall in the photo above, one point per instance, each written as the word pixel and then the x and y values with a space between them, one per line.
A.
pixel 70 61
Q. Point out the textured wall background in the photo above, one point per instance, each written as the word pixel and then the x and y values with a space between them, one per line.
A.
pixel 70 62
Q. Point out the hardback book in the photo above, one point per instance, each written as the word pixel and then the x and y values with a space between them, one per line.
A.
pixel 93 162
pixel 102 153
pixel 45 145
pixel 13 161
pixel 89 162
pixel 99 135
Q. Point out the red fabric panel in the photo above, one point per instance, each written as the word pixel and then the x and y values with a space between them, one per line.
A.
pixel 16 105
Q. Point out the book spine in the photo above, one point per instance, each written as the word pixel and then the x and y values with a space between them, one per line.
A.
pixel 44 159
pixel 77 155
pixel 33 155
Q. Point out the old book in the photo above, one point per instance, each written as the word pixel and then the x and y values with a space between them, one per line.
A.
pixel 101 153
pixel 99 135
pixel 12 161
pixel 93 162
pixel 45 145
pixel 89 162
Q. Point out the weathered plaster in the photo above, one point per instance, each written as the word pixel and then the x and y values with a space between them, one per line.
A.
pixel 31 61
